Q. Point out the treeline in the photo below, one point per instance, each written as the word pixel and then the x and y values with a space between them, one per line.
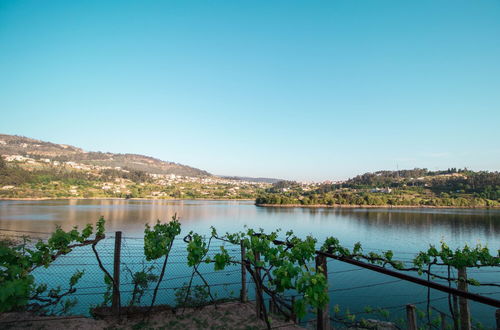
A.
pixel 452 188
pixel 384 178
pixel 395 178
pixel 480 184
pixel 12 175
pixel 372 199
pixel 16 175
pixel 130 174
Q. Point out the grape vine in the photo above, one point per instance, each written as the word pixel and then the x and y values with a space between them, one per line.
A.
pixel 17 284
pixel 158 243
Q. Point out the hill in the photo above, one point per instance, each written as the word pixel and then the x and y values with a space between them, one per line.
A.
pixel 406 188
pixel 37 149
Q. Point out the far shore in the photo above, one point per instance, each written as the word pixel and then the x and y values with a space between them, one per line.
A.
pixel 119 198
pixel 314 206
pixel 352 206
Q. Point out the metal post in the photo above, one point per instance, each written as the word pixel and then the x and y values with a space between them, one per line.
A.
pixel 116 274
pixel 411 316
pixel 323 319
pixel 465 323
pixel 497 316
pixel 243 293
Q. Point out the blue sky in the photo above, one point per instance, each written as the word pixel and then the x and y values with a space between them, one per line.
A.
pixel 307 90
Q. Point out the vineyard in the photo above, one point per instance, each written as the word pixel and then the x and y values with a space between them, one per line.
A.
pixel 287 280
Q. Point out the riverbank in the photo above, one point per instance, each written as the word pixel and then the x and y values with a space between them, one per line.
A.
pixel 119 198
pixel 351 206
pixel 314 206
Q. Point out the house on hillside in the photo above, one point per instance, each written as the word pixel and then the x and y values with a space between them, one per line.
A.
pixel 381 190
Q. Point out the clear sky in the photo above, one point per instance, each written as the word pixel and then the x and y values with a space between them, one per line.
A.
pixel 306 90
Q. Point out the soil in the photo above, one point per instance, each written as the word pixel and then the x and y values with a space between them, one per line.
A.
pixel 231 315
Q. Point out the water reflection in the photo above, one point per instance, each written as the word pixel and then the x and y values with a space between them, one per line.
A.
pixel 382 228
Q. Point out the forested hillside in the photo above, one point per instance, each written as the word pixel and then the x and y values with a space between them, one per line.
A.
pixel 417 187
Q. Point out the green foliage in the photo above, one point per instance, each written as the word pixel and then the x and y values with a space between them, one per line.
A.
pixel 141 281
pixel 158 240
pixel 13 175
pixel 17 285
pixel 347 318
pixel 108 294
pixel 314 287
pixel 222 259
pixel 478 256
pixel 196 296
pixel 285 267
pixel 197 249
pixel 16 282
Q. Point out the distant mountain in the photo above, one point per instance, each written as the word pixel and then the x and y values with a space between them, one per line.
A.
pixel 20 145
pixel 249 179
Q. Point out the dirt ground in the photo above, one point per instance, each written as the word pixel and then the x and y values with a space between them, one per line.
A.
pixel 231 315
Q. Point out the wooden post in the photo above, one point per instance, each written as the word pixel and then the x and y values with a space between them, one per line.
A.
pixel 293 316
pixel 411 316
pixel 258 290
pixel 272 308
pixel 243 292
pixel 115 305
pixel 497 316
pixel 323 319
pixel 465 323
pixel 456 312
pixel 444 326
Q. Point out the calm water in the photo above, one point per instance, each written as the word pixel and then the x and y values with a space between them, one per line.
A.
pixel 405 231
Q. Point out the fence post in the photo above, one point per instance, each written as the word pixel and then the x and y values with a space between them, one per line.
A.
pixel 456 312
pixel 293 316
pixel 323 319
pixel 243 293
pixel 258 290
pixel 465 323
pixel 272 307
pixel 411 316
pixel 115 305
pixel 497 316
pixel 444 326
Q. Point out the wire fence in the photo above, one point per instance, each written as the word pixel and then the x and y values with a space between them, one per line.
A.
pixel 138 276
pixel 356 294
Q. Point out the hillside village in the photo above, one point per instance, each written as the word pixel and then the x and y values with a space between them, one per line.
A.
pixel 37 169
pixel 106 181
